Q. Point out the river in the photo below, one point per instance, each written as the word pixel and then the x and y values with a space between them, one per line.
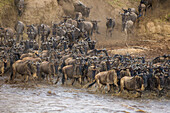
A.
pixel 54 99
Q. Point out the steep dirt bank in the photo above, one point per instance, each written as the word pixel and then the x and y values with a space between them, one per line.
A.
pixel 152 33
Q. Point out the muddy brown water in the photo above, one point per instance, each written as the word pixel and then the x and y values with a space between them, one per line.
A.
pixel 54 99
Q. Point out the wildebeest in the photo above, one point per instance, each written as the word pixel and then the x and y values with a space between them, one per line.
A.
pixel 19 28
pixel 135 83
pixel 2 68
pixel 80 7
pixel 44 31
pixel 32 32
pixel 24 68
pixel 20 5
pixel 154 83
pixel 128 29
pixel 79 16
pixel 2 34
pixel 9 33
pixel 86 26
pixel 47 68
pixel 144 5
pixel 6 34
pixel 106 78
pixel 95 28
pixel 141 10
pixel 68 72
pixel 110 24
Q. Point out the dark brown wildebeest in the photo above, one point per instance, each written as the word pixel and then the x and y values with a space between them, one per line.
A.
pixel 24 68
pixel 44 31
pixel 135 83
pixel 110 24
pixel 20 5
pixel 2 34
pixel 146 4
pixel 154 83
pixel 47 68
pixel 106 78
pixel 85 26
pixel 80 7
pixel 32 32
pixel 9 33
pixel 68 72
pixel 19 28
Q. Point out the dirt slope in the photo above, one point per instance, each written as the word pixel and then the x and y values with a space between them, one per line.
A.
pixel 152 33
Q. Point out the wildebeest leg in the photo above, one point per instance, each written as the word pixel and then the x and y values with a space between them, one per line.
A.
pixel 63 78
pixel 80 79
pixel 22 36
pixel 145 11
pixel 2 70
pixel 126 38
pixel 33 79
pixel 106 32
pixel 13 74
pixel 108 87
pixel 99 84
pixel 159 83
pixel 26 79
pixel 122 85
pixel 73 80
pixel 50 77
pixel 42 38
pixel 57 80
pixel 88 79
pixel 46 78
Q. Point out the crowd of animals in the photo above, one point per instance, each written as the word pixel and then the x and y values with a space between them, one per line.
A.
pixel 67 51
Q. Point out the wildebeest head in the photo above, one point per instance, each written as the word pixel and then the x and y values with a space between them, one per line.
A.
pixel 32 31
pixel 20 7
pixel 110 22
pixel 2 32
pixel 87 12
pixel 95 25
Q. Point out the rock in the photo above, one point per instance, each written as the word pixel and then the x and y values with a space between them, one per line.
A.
pixel 166 29
pixel 151 27
pixel 158 29
pixel 49 92
pixel 157 37
pixel 142 29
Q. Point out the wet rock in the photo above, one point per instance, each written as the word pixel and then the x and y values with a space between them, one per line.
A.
pixel 49 92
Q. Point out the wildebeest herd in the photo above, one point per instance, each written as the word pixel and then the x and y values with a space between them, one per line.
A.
pixel 66 50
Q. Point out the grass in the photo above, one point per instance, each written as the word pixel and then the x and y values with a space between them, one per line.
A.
pixel 6 12
pixel 121 3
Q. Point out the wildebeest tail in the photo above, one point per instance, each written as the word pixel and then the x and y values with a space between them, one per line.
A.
pixel 90 85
